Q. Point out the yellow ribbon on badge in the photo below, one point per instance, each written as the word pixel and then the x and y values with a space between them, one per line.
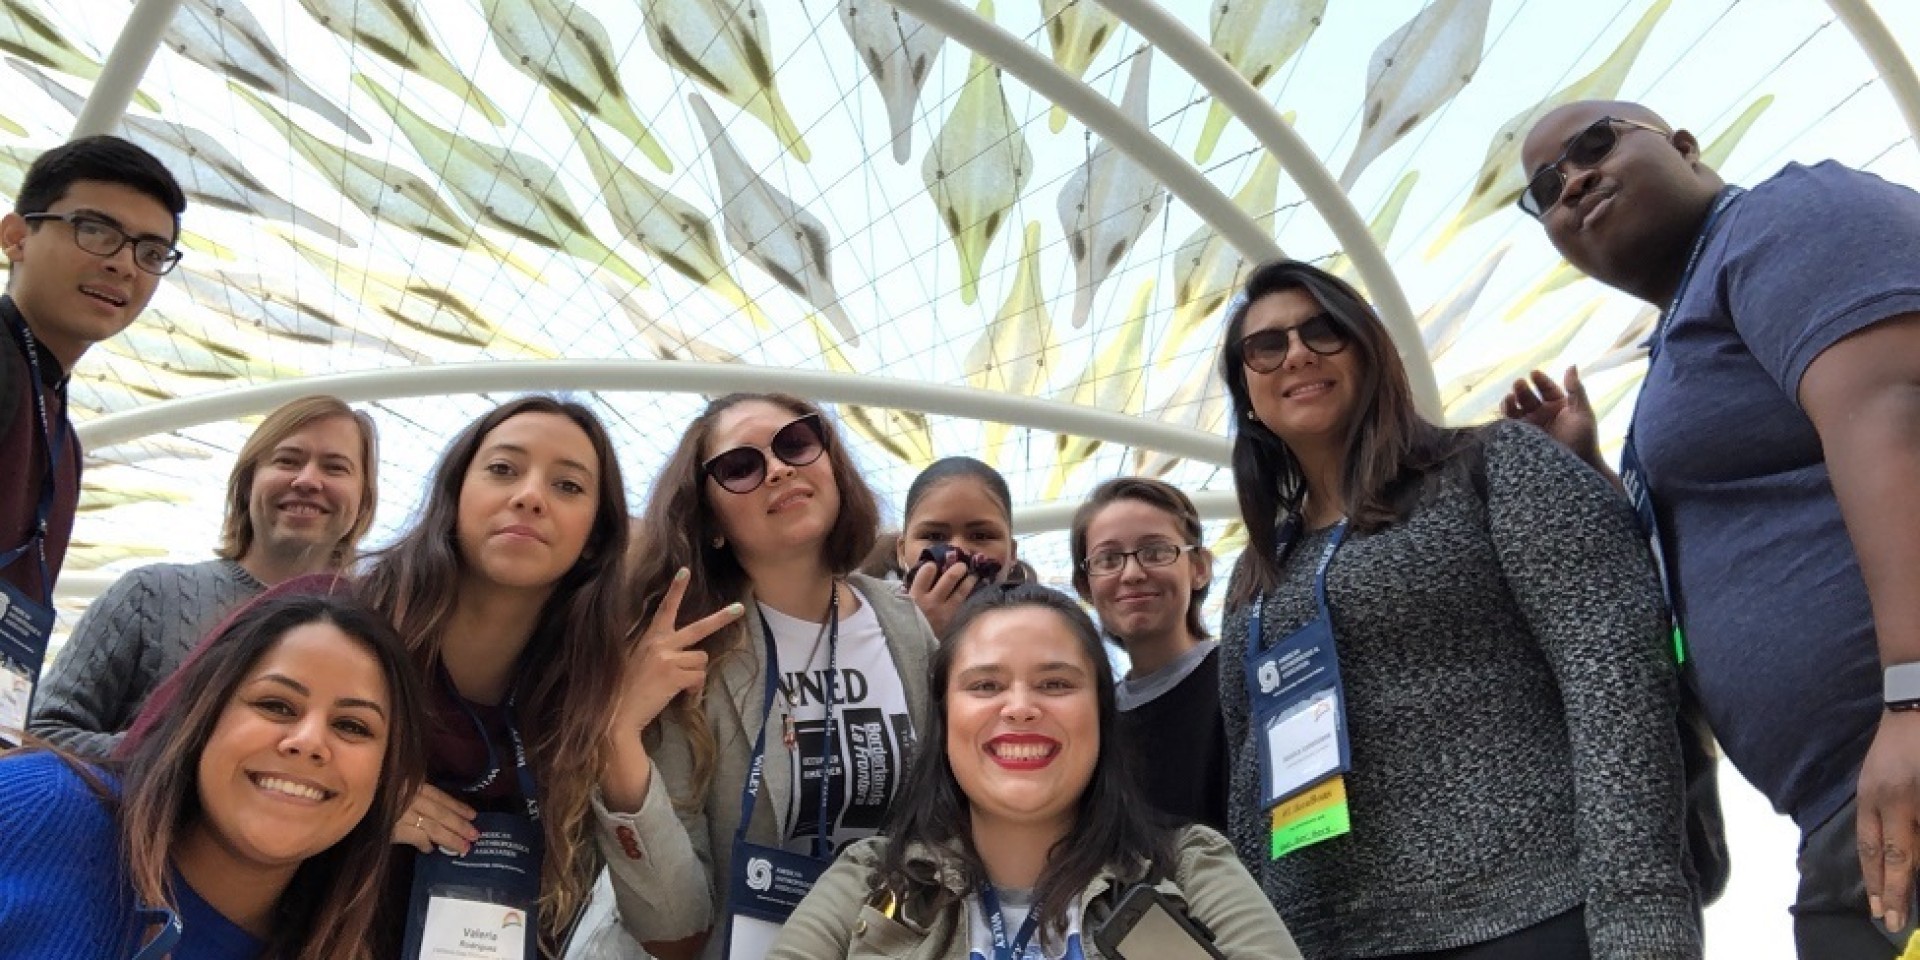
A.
pixel 1310 802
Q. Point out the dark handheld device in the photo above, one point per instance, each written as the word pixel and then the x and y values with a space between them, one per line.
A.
pixel 1148 926
pixel 944 555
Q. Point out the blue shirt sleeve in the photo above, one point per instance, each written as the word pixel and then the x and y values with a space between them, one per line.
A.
pixel 62 890
pixel 1816 254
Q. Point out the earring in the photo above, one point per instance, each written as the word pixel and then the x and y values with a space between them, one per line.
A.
pixel 1252 415
pixel 719 542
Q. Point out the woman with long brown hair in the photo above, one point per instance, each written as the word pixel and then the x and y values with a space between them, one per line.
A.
pixel 1450 698
pixel 247 815
pixel 775 742
pixel 508 593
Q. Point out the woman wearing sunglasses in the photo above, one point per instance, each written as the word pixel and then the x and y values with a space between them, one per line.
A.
pixel 821 683
pixel 1446 674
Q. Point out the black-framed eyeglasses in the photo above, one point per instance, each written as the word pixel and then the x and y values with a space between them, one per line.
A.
pixel 1265 350
pixel 744 468
pixel 1588 147
pixel 1160 553
pixel 103 239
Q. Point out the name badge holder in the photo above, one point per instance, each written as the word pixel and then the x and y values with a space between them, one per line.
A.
pixel 26 622
pixel 484 905
pixel 1299 713
pixel 765 884
pixel 1633 474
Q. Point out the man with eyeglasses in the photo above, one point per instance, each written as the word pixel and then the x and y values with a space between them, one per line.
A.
pixel 90 234
pixel 1772 456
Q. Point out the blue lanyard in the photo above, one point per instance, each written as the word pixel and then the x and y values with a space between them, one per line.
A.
pixel 997 926
pixel 822 841
pixel 521 767
pixel 163 942
pixel 1720 205
pixel 1289 532
pixel 1633 473
pixel 37 537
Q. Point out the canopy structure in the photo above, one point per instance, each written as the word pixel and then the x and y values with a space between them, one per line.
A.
pixel 1008 230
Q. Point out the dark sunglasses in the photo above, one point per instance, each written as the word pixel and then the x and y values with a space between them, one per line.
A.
pixel 744 468
pixel 1587 148
pixel 1265 351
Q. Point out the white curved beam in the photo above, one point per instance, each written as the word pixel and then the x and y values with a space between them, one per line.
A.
pixel 664 376
pixel 1185 47
pixel 1887 57
pixel 1058 514
pixel 1101 116
pixel 121 74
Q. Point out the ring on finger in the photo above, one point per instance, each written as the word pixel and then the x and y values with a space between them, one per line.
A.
pixel 420 822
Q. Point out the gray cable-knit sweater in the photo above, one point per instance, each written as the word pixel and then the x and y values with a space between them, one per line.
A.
pixel 1511 694
pixel 132 637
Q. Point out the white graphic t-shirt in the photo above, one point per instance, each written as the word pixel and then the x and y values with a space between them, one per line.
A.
pixel 873 732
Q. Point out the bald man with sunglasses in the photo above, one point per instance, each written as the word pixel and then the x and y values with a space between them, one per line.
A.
pixel 1773 456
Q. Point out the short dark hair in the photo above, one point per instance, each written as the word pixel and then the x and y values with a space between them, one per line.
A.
pixel 952 468
pixel 1160 495
pixel 103 158
pixel 1112 827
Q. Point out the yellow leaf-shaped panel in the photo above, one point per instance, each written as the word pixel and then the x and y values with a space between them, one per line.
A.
pixel 725 45
pixel 1256 38
pixel 977 167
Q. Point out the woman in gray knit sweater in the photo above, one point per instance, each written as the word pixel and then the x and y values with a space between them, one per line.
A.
pixel 1470 750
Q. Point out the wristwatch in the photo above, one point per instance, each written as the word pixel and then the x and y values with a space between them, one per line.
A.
pixel 1900 687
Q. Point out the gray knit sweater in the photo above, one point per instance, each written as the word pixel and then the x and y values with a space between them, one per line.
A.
pixel 132 637
pixel 1511 695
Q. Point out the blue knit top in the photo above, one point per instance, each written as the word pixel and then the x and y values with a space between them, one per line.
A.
pixel 64 891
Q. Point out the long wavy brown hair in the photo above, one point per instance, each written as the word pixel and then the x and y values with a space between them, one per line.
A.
pixel 678 528
pixel 573 662
pixel 1391 449
pixel 327 911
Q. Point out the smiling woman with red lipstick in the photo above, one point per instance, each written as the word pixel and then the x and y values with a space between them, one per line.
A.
pixel 1448 694
pixel 507 590
pixel 246 818
pixel 1019 833
pixel 774 743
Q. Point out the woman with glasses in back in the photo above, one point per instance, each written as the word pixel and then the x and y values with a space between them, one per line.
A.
pixel 779 740
pixel 1138 559
pixel 1448 684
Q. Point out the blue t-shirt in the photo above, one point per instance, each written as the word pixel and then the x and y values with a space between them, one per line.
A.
pixel 1768 587
pixel 64 891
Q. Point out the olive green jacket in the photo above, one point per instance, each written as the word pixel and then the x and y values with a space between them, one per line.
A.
pixel 844 917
